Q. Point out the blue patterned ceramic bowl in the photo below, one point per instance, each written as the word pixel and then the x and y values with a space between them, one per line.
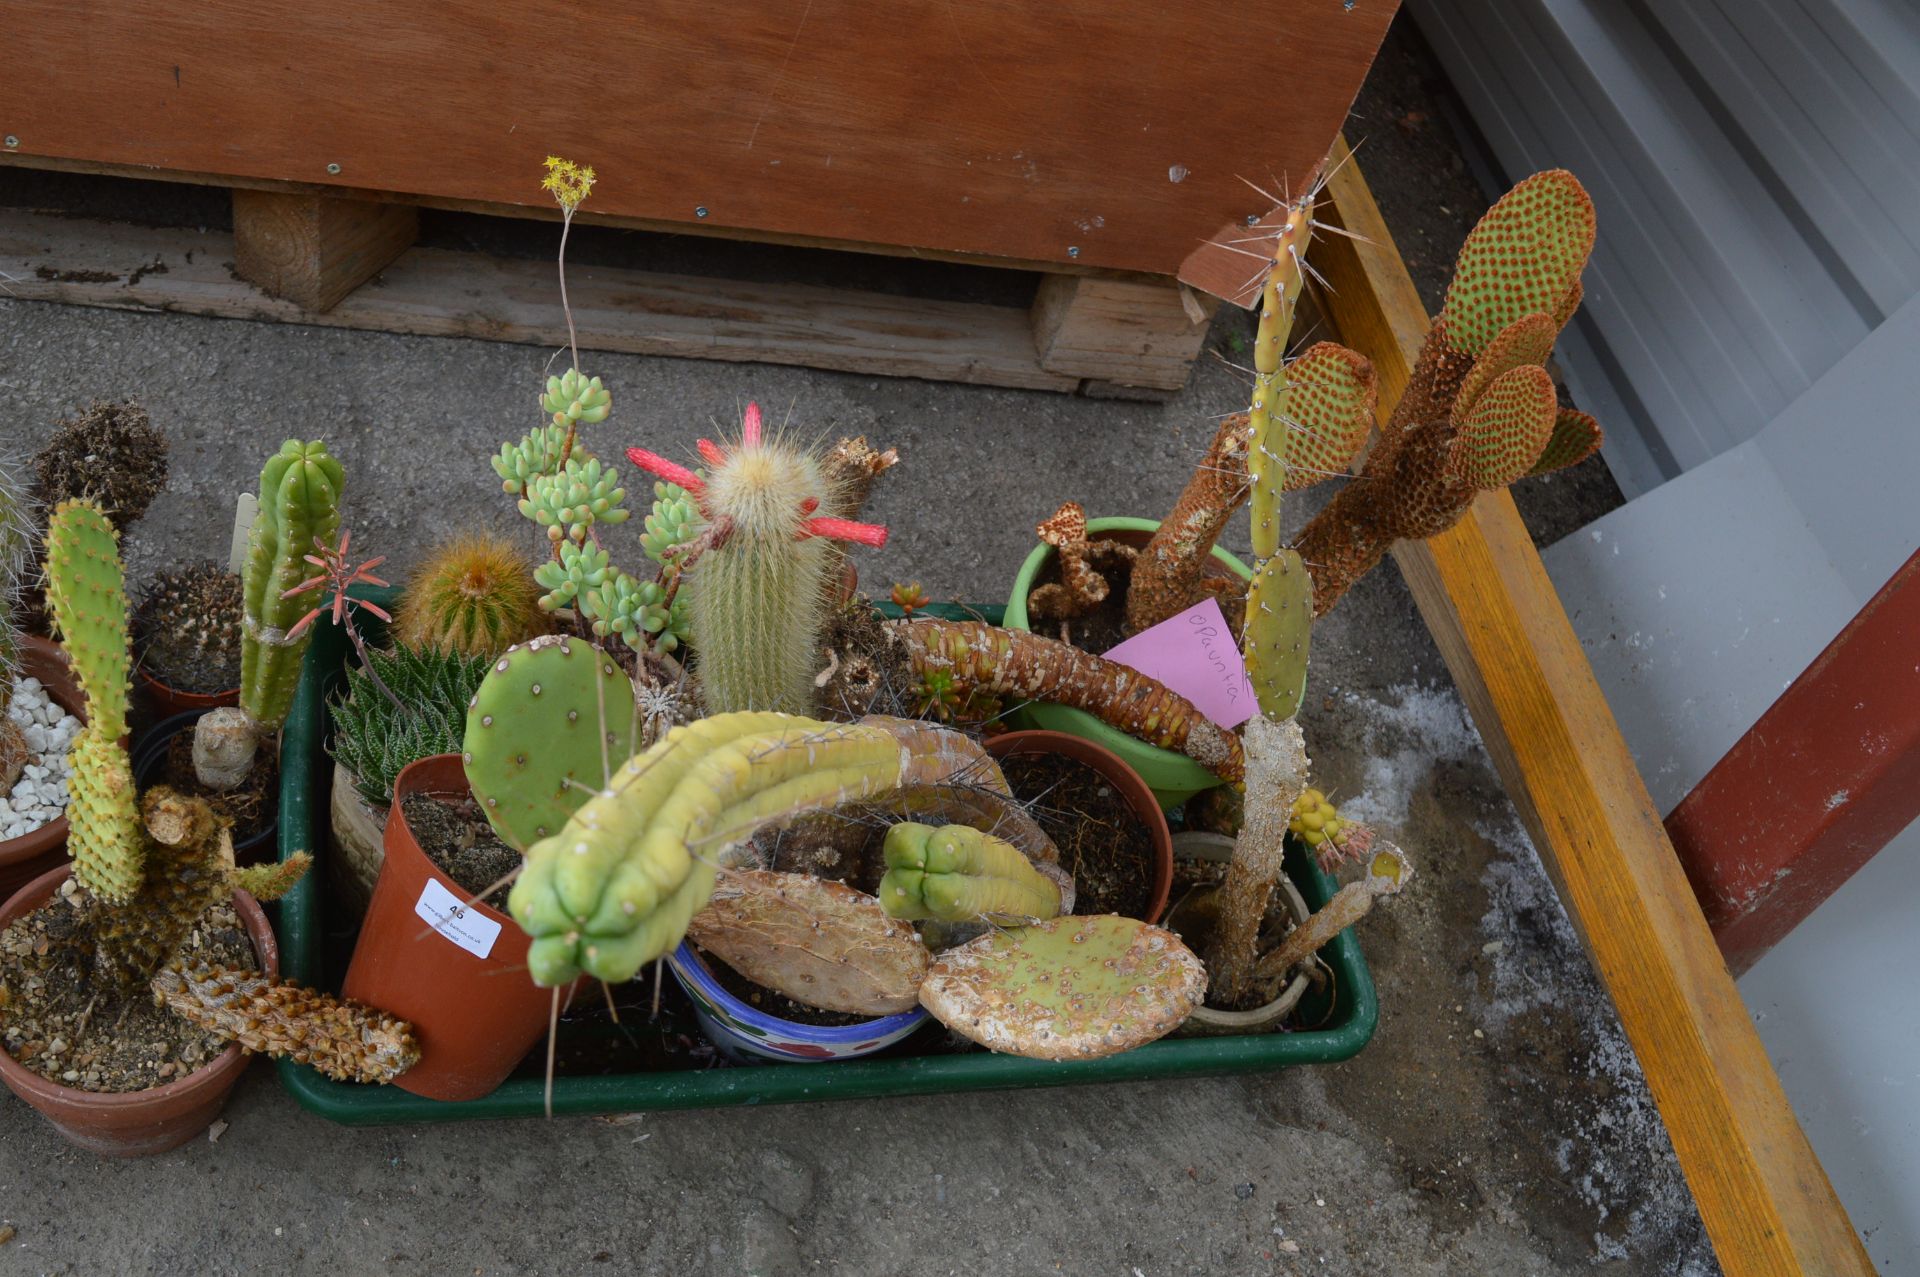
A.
pixel 738 1029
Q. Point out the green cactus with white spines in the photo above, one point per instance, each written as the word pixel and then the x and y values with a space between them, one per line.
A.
pixel 1073 988
pixel 760 599
pixel 953 873
pixel 552 720
pixel 300 490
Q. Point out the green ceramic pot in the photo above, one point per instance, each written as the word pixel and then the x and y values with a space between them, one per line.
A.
pixel 1172 776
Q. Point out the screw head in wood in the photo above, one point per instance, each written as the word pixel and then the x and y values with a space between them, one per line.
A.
pixel 700 211
pixel 334 169
pixel 12 141
pixel 1073 251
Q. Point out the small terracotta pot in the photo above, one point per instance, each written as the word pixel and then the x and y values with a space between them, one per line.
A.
pixel 476 1014
pixel 32 854
pixel 134 1123
pixel 166 700
pixel 1139 798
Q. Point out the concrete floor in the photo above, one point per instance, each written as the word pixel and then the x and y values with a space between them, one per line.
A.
pixel 1496 1124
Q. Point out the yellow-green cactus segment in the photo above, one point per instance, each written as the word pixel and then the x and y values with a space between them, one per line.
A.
pixel 1501 437
pixel 103 819
pixel 1279 615
pixel 1267 420
pixel 955 873
pixel 86 591
pixel 299 504
pixel 1331 397
pixel 547 727
pixel 1524 257
pixel 1527 340
pixel 1073 988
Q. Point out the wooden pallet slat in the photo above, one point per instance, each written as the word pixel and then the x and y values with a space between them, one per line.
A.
pixel 314 250
pixel 1484 594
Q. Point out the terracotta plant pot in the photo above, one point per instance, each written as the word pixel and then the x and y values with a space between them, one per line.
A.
pixel 1173 776
pixel 151 752
pixel 134 1123
pixel 473 1008
pixel 32 854
pixel 165 700
pixel 1132 789
pixel 1206 1021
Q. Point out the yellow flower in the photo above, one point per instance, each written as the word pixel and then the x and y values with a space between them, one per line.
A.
pixel 567 182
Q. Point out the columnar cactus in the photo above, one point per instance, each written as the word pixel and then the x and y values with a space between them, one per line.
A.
pixel 299 509
pixel 1074 988
pixel 86 594
pixel 474 594
pixel 954 873
pixel 1480 410
pixel 760 597
pixel 551 722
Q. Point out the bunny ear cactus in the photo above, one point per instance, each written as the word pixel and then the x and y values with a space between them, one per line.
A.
pixel 86 594
pixel 818 942
pixel 760 599
pixel 1479 411
pixel 1074 988
pixel 549 724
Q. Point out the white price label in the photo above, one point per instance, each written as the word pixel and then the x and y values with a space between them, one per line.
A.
pixel 459 922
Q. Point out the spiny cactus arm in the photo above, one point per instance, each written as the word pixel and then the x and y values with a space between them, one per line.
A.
pixel 87 596
pixel 1028 667
pixel 189 863
pixel 818 942
pixel 1276 776
pixel 1576 436
pixel 344 1040
pixel 299 509
pixel 1072 988
pixel 1388 871
pixel 1268 428
pixel 551 721
pixel 1274 636
pixel 957 874
pixel 267 883
pixel 1167 574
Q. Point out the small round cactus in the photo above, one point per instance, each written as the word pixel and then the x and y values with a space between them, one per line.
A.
pixel 475 595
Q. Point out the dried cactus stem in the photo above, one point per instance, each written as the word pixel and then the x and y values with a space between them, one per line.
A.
pixel 1024 666
pixel 1389 872
pixel 344 1040
pixel 1167 576
pixel 1276 777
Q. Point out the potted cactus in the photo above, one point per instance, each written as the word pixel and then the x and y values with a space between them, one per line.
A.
pixel 130 944
pixel 186 639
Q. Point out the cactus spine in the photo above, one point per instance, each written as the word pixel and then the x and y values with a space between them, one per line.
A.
pixel 760 596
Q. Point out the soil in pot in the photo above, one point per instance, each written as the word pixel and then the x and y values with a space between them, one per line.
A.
pixel 1105 628
pixel 59 1025
pixel 461 844
pixel 768 1002
pixel 251 807
pixel 1108 851
pixel 187 631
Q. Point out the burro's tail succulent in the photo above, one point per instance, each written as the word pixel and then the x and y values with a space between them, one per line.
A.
pixel 299 512
pixel 1073 988
pixel 954 873
pixel 766 572
pixel 1480 410
pixel 616 887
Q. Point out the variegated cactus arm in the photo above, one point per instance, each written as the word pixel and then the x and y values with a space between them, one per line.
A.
pixel 956 874
pixel 1026 666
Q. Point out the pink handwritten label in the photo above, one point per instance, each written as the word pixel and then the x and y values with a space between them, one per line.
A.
pixel 1194 653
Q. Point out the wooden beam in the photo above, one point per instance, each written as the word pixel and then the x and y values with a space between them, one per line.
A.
pixel 1765 1200
pixel 1126 332
pixel 432 292
pixel 313 249
pixel 1826 778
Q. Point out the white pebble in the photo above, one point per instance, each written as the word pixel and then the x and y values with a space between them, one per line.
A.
pixel 40 795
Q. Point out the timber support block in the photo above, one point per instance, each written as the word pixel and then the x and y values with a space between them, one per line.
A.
pixel 1141 333
pixel 313 249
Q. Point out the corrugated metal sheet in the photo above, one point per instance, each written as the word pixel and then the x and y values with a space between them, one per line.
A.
pixel 1756 166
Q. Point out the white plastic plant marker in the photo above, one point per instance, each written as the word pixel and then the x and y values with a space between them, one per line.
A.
pixel 453 918
pixel 243 511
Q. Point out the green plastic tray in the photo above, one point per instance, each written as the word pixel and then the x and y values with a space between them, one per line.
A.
pixel 306 772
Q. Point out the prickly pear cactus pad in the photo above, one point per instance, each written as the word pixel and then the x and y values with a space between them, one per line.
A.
pixel 1074 988
pixel 86 592
pixel 553 719
pixel 819 942
pixel 955 873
